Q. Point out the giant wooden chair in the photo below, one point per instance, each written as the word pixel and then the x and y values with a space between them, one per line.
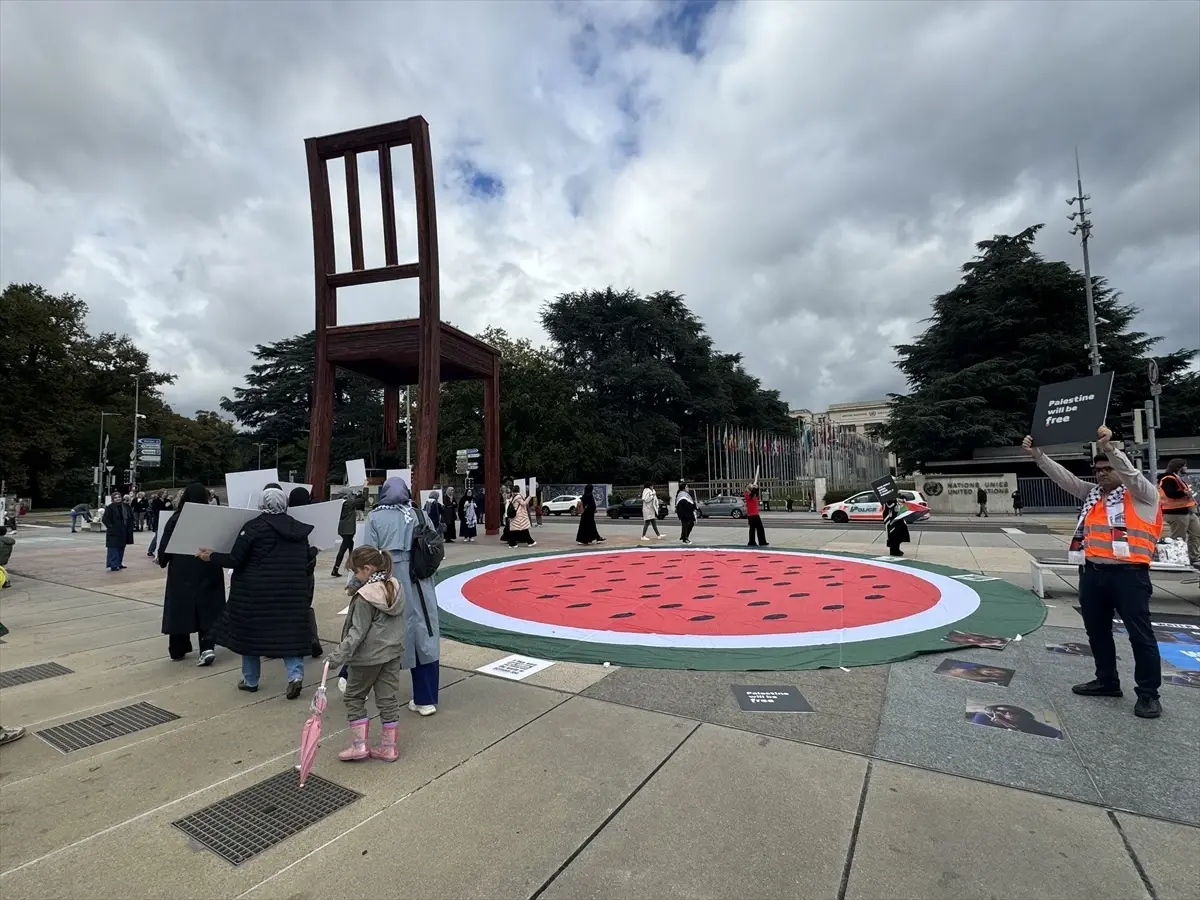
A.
pixel 424 351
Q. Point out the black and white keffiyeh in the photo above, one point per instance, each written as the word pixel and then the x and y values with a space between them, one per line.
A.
pixel 1114 507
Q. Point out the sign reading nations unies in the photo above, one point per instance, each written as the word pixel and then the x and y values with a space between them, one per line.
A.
pixel 1070 412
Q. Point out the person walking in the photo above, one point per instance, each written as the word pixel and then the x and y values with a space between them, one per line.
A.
pixel 158 505
pixel 372 648
pixel 470 519
pixel 140 507
pixel 194 597
pixel 8 735
pixel 81 511
pixel 895 526
pixel 268 609
pixel 758 535
pixel 518 528
pixel 118 523
pixel 1114 542
pixel 1018 503
pixel 587 533
pixel 981 499
pixel 1178 502
pixel 391 526
pixel 347 526
pixel 685 508
pixel 299 496
pixel 7 542
pixel 450 515
pixel 650 511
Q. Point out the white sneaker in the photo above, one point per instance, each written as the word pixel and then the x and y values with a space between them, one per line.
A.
pixel 645 538
pixel 662 537
pixel 421 710
pixel 533 543
pixel 206 658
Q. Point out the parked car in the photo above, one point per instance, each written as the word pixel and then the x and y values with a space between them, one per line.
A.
pixel 563 503
pixel 865 507
pixel 722 505
pixel 632 509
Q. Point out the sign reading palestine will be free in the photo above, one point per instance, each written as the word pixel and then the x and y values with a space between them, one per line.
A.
pixel 1070 412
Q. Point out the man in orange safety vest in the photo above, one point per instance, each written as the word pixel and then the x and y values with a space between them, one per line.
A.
pixel 1114 544
pixel 1178 502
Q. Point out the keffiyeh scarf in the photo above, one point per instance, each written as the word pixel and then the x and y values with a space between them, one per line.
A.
pixel 1114 507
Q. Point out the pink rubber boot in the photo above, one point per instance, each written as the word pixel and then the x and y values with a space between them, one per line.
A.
pixel 387 750
pixel 358 742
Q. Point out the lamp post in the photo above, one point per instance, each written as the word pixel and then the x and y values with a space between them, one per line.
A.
pixel 1083 227
pixel 133 453
pixel 260 446
pixel 100 463
pixel 679 450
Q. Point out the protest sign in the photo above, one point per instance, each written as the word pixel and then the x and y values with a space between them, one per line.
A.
pixel 1070 412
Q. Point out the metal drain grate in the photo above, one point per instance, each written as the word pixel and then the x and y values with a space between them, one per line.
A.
pixel 256 819
pixel 13 677
pixel 97 729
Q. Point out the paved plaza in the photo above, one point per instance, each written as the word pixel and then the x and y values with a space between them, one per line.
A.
pixel 584 781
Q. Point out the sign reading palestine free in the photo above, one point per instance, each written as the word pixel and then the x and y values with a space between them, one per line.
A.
pixel 1070 412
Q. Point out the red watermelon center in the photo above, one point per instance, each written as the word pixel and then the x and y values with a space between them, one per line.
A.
pixel 701 592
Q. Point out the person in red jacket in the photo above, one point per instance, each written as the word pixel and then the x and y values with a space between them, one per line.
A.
pixel 758 537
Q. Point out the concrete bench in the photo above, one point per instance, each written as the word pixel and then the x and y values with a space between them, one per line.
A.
pixel 1038 568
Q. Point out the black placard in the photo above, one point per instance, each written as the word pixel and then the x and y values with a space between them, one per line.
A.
pixel 885 489
pixel 776 698
pixel 1070 412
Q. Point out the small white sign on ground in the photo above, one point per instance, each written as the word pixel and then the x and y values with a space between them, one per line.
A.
pixel 515 667
pixel 974 577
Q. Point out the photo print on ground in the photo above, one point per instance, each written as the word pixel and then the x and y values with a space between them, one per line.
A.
pixel 1011 717
pixel 1071 648
pixel 977 672
pixel 1185 678
pixel 970 639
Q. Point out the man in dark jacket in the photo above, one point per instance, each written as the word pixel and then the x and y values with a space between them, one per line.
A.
pixel 347 525
pixel 80 511
pixel 267 612
pixel 685 508
pixel 140 507
pixel 158 506
pixel 981 499
pixel 118 522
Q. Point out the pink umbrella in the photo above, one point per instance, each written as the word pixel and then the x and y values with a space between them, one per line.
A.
pixel 310 735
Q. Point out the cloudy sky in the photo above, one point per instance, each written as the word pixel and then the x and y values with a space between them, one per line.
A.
pixel 808 174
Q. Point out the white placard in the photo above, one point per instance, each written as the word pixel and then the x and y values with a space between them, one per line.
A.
pixel 244 487
pixel 200 526
pixel 426 496
pixel 515 668
pixel 342 612
pixel 360 534
pixel 532 483
pixel 406 474
pixel 287 487
pixel 323 517
pixel 356 472
pixel 519 486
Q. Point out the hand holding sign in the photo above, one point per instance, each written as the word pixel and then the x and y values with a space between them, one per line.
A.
pixel 1104 437
pixel 1027 445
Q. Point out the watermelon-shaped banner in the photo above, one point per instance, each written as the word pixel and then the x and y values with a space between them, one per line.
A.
pixel 737 609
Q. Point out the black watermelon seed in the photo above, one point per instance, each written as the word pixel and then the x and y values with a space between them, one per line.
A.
pixel 648 585
pixel 748 591
pixel 866 576
pixel 824 577
pixel 602 590
pixel 880 587
pixel 625 615
pixel 834 584
pixel 758 603
pixel 822 562
pixel 561 586
pixel 616 579
pixel 763 578
pixel 671 606
pixel 774 616
pixel 575 577
pixel 834 606
pixel 708 585
pixel 781 584
pixel 650 596
pixel 701 618
pixel 674 577
pixel 520 579
pixel 703 597
pixel 546 596
pixel 874 596
pixel 516 589
pixel 837 570
pixel 578 605
pixel 798 595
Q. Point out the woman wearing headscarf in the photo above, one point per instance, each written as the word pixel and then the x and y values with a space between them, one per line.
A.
pixel 685 508
pixel 390 526
pixel 518 528
pixel 587 532
pixel 450 514
pixel 195 592
pixel 300 496
pixel 895 526
pixel 267 612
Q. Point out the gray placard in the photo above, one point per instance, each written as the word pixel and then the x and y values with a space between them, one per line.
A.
pixel 772 698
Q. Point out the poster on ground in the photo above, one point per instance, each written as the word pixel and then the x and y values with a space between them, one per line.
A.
pixel 1011 717
pixel 980 673
pixel 203 527
pixel 772 698
pixel 1070 412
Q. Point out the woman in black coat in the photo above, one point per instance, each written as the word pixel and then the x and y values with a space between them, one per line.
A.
pixel 117 519
pixel 301 497
pixel 587 533
pixel 195 594
pixel 267 612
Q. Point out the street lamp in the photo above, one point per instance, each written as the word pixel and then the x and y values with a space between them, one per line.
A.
pixel 100 467
pixel 679 450
pixel 1083 228
pixel 260 446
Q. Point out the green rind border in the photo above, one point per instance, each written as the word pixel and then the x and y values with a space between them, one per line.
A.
pixel 1005 610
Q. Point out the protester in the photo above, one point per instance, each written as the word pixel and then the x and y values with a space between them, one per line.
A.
pixel 896 527
pixel 1018 503
pixel 1179 508
pixel 981 499
pixel 7 735
pixel 758 535
pixel 118 522
pixel 433 508
pixel 449 516
pixel 195 592
pixel 470 519
pixel 347 526
pixel 685 508
pixel 81 511
pixel 268 609
pixel 519 524
pixel 7 542
pixel 587 532
pixel 372 648
pixel 300 496
pixel 160 504
pixel 140 507
pixel 506 514
pixel 650 511
pixel 392 526
pixel 1114 541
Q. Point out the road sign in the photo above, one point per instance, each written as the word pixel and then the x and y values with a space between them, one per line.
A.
pixel 1155 389
pixel 1152 371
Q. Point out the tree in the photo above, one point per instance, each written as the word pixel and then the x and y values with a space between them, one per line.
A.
pixel 1013 323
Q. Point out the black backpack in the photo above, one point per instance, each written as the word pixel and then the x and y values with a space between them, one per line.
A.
pixel 428 548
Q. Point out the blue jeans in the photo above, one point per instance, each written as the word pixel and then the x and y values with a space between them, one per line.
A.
pixel 114 557
pixel 252 667
pixel 77 516
pixel 153 544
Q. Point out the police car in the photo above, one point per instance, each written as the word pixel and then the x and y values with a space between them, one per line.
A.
pixel 865 507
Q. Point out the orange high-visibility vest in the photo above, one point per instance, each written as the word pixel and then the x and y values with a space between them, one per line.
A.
pixel 1187 501
pixel 1140 535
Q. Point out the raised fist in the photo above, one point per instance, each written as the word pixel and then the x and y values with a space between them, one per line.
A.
pixel 1027 444
pixel 1103 434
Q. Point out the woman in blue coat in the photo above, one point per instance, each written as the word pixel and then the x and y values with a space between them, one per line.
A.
pixel 390 527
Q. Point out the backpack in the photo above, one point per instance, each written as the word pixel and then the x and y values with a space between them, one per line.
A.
pixel 428 548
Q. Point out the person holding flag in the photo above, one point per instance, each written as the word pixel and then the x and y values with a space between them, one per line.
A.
pixel 1114 544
